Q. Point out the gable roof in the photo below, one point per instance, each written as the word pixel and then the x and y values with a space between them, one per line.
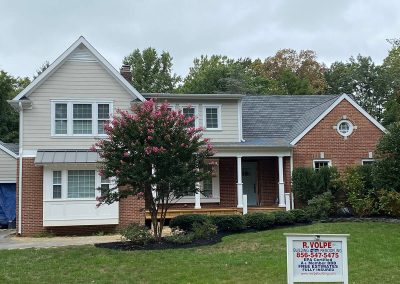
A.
pixel 289 117
pixel 11 149
pixel 60 60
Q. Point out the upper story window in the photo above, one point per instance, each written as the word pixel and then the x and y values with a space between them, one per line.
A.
pixel 212 117
pixel 318 164
pixel 190 112
pixel 80 118
pixel 345 128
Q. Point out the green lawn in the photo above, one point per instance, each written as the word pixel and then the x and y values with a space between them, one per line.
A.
pixel 260 257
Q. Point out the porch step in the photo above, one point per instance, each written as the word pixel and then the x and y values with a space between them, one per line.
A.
pixel 214 211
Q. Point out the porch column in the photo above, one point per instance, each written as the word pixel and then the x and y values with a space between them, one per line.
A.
pixel 281 183
pixel 239 183
pixel 197 204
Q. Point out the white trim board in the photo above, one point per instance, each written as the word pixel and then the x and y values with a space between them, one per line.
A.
pixel 60 60
pixel 326 112
pixel 8 151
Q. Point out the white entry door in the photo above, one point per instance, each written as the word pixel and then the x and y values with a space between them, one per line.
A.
pixel 249 177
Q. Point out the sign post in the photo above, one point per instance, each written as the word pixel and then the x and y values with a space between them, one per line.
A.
pixel 317 258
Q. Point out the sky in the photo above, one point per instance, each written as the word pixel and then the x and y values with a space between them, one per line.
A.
pixel 33 32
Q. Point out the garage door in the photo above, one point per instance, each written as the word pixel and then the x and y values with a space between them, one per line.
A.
pixel 7 203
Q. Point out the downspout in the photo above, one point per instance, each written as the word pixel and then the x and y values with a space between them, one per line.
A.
pixel 21 128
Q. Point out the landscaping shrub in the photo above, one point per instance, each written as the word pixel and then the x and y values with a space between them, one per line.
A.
pixel 283 218
pixel 389 203
pixel 180 238
pixel 204 230
pixel 185 222
pixel 229 223
pixel 361 195
pixel 308 183
pixel 321 207
pixel 136 234
pixel 260 221
pixel 300 216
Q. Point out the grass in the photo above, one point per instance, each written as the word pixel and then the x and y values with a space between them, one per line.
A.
pixel 259 257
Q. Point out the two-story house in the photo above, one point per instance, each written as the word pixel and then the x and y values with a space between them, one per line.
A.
pixel 258 141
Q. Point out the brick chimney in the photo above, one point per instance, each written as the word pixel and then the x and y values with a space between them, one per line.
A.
pixel 126 72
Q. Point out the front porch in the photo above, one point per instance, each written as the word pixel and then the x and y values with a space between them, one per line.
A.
pixel 255 182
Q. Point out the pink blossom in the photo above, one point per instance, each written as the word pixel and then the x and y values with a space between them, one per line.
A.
pixel 126 154
pixel 93 148
pixel 149 137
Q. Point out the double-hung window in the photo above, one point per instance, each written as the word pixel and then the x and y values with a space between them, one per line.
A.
pixel 56 184
pixel 190 112
pixel 212 117
pixel 61 119
pixel 80 118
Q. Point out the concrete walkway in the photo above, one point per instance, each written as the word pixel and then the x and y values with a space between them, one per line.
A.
pixel 8 240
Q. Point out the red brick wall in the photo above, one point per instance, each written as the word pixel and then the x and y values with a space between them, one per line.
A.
pixel 131 210
pixel 342 152
pixel 32 197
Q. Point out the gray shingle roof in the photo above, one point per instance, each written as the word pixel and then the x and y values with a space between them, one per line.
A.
pixel 13 147
pixel 283 117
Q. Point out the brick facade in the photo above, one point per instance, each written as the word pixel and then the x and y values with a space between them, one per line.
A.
pixel 343 152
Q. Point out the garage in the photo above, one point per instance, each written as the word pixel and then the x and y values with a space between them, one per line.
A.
pixel 8 177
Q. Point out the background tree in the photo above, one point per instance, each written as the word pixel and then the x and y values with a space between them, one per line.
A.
pixel 361 78
pixel 151 72
pixel 220 74
pixel 294 73
pixel 41 69
pixel 387 169
pixel 9 87
pixel 153 150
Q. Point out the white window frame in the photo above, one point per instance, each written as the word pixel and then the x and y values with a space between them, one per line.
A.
pixel 215 189
pixel 48 182
pixel 70 119
pixel 322 161
pixel 367 160
pixel 219 112
pixel 196 112
pixel 58 184
pixel 351 128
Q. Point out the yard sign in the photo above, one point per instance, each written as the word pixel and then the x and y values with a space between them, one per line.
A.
pixel 317 258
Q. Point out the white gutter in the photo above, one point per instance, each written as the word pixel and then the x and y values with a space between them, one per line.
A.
pixel 21 128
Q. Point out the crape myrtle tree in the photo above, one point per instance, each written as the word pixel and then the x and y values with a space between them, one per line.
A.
pixel 153 153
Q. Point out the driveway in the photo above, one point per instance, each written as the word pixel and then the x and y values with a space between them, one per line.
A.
pixel 8 240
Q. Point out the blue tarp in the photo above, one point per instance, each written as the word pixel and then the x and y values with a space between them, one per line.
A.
pixel 7 203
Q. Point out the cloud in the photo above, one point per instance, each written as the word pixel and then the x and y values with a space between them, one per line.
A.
pixel 33 32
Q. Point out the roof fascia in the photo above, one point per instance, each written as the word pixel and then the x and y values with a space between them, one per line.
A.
pixel 8 151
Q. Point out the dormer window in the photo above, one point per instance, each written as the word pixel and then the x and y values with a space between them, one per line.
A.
pixel 70 118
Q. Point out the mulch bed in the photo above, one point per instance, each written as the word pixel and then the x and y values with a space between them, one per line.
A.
pixel 126 246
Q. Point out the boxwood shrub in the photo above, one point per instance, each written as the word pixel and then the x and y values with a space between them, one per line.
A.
pixel 185 222
pixel 283 218
pixel 300 216
pixel 229 223
pixel 260 221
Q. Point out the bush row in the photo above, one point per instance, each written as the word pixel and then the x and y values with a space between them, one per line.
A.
pixel 237 223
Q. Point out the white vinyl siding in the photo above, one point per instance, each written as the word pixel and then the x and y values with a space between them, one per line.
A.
pixel 73 81
pixel 228 123
pixel 8 168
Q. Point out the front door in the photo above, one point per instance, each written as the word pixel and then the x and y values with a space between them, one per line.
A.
pixel 249 177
